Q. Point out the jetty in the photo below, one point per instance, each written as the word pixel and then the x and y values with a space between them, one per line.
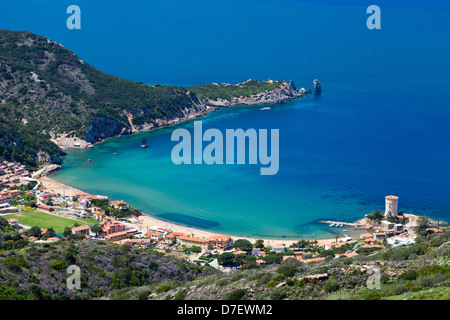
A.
pixel 340 224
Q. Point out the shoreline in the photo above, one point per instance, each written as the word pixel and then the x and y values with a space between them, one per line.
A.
pixel 206 107
pixel 147 221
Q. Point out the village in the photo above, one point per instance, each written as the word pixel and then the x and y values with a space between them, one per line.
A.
pixel 118 222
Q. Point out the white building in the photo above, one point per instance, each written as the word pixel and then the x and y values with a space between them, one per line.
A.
pixel 386 225
pixel 391 206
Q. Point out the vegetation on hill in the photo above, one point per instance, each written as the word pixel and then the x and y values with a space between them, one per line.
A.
pixel 229 91
pixel 39 271
pixel 418 271
pixel 21 143
pixel 46 91
pixel 110 271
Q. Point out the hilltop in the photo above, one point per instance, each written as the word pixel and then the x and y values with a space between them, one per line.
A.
pixel 50 98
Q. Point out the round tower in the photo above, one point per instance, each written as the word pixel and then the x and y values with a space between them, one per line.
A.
pixel 391 206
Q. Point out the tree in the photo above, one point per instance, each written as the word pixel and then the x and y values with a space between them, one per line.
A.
pixel 376 216
pixel 242 244
pixel 259 244
pixel 67 232
pixel 226 258
pixel 35 232
pixel 50 233
pixel 96 228
pixel 196 249
pixel 422 224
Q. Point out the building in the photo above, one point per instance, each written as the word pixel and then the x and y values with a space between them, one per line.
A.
pixel 400 241
pixel 219 242
pixel 299 258
pixel 370 241
pixel 116 236
pixel 278 248
pixel 387 226
pixel 81 230
pixel 99 215
pixel 174 237
pixel 191 241
pixel 111 227
pixel 11 193
pixel 45 208
pixel 155 235
pixel 13 222
pixel 433 230
pixel 6 208
pixel 5 199
pixel 170 238
pixel 379 235
pixel 119 205
pixel 391 206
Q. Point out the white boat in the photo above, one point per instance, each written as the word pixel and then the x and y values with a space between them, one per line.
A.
pixel 265 108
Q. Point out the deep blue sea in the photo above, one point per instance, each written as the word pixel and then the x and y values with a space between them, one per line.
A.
pixel 380 126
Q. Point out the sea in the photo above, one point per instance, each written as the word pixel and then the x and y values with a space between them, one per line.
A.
pixel 380 126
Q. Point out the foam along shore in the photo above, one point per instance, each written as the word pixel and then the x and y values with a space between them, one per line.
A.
pixel 146 221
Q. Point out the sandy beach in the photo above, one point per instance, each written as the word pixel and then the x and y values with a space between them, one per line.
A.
pixel 146 221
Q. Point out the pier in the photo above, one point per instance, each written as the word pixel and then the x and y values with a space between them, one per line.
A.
pixel 340 224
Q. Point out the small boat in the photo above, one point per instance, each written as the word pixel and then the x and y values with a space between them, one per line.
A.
pixel 265 108
pixel 89 160
pixel 144 143
pixel 114 153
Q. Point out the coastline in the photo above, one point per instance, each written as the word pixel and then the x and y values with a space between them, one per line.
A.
pixel 280 95
pixel 147 221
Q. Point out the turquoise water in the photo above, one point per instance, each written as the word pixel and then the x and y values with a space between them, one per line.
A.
pixel 380 126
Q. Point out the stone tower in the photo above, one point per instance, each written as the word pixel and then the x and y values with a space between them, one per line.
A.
pixel 391 206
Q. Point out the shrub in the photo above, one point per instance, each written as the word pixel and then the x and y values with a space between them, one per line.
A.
pixel 331 285
pixel 15 264
pixel 144 295
pixel 373 296
pixel 427 282
pixel 290 282
pixel 57 265
pixel 408 275
pixel 278 294
pixel 222 282
pixel 427 270
pixel 164 288
pixel 238 294
pixel 400 289
pixel 181 295
pixel 287 271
